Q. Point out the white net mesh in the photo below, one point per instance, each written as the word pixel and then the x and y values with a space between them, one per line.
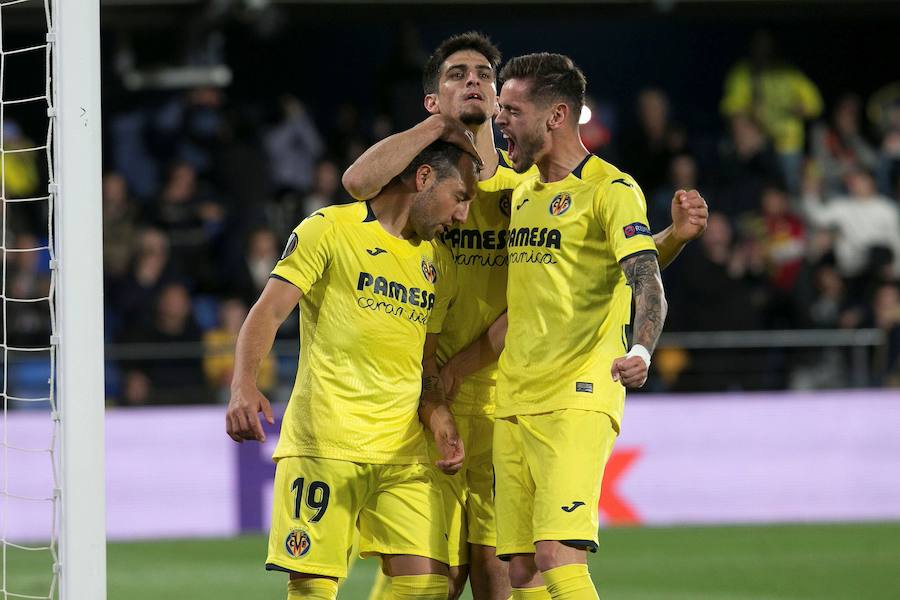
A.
pixel 29 472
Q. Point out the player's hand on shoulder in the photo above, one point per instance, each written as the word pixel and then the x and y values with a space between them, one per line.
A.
pixel 689 214
pixel 631 371
pixel 454 132
pixel 242 417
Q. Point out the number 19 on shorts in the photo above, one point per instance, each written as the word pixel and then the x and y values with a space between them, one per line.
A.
pixel 316 498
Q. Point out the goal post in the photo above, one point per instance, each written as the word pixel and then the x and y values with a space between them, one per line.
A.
pixel 78 225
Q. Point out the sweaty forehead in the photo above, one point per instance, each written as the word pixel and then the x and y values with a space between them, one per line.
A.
pixel 469 58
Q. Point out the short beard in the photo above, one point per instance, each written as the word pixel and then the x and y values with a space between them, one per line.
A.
pixel 420 214
pixel 476 117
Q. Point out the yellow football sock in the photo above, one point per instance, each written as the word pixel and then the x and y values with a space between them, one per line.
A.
pixel 315 588
pixel 532 593
pixel 570 582
pixel 381 589
pixel 420 587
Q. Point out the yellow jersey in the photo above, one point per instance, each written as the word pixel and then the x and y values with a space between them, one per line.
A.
pixel 479 251
pixel 368 300
pixel 568 299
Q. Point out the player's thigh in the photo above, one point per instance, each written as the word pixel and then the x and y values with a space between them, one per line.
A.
pixel 314 510
pixel 513 499
pixel 404 514
pixel 480 481
pixel 567 451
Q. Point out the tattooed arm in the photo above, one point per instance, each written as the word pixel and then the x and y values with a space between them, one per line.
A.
pixel 642 272
pixel 434 411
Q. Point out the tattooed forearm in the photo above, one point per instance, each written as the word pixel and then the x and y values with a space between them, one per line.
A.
pixel 431 383
pixel 642 272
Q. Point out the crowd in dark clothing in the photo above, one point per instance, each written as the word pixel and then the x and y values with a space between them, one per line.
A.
pixel 201 192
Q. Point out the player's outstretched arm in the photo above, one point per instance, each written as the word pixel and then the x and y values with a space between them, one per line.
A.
pixel 477 355
pixel 642 272
pixel 434 412
pixel 375 168
pixel 689 215
pixel 254 343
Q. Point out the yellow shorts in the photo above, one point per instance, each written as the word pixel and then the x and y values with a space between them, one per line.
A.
pixel 469 494
pixel 549 468
pixel 318 503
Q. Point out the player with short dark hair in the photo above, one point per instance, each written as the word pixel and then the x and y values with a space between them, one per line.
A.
pixel 580 250
pixel 352 453
pixel 460 86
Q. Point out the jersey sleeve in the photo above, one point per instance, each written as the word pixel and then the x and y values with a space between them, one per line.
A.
pixel 308 252
pixel 623 214
pixel 445 287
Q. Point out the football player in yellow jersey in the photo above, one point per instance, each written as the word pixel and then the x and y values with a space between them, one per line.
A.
pixel 580 250
pixel 352 451
pixel 460 86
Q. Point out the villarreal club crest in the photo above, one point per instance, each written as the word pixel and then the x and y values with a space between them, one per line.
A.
pixel 297 543
pixel 560 203
pixel 429 271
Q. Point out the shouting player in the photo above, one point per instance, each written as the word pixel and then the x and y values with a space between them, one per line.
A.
pixel 460 84
pixel 580 250
pixel 352 451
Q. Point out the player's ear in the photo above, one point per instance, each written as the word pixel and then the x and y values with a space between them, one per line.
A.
pixel 431 104
pixel 424 174
pixel 558 114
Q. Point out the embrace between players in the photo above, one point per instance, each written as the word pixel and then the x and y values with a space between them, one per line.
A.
pixel 459 252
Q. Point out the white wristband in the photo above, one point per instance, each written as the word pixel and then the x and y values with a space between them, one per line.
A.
pixel 638 350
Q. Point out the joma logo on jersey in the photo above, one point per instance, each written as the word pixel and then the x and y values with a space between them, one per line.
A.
pixel 535 236
pixel 474 239
pixel 560 203
pixel 297 543
pixel 429 271
pixel 396 291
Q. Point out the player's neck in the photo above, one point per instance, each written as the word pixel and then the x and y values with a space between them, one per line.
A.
pixel 484 142
pixel 566 153
pixel 391 209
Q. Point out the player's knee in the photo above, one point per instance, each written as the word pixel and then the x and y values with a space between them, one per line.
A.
pixel 458 576
pixel 550 555
pixel 522 570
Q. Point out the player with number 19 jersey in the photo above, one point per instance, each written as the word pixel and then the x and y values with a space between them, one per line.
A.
pixel 351 429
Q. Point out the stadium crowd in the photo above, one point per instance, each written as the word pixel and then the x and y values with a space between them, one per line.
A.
pixel 201 192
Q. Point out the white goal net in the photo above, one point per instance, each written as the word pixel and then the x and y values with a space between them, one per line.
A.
pixel 51 435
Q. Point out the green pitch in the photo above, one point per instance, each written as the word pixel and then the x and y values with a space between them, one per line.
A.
pixel 796 562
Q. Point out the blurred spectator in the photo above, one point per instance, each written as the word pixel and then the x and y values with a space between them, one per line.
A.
pixel 132 297
pixel 884 112
pixel 20 171
pixel 187 127
pixel 778 96
pixel 726 276
pixel 326 189
pixel 839 147
pixel 863 220
pixel 782 238
pixel 886 317
pixel 119 226
pixel 171 375
pixel 28 322
pixel 649 147
pixel 293 146
pixel 218 351
pixel 191 218
pixel 682 176
pixel 259 258
pixel 747 165
pixel 400 78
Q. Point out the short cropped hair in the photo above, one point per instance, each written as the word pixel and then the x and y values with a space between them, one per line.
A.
pixel 471 40
pixel 554 78
pixel 441 156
